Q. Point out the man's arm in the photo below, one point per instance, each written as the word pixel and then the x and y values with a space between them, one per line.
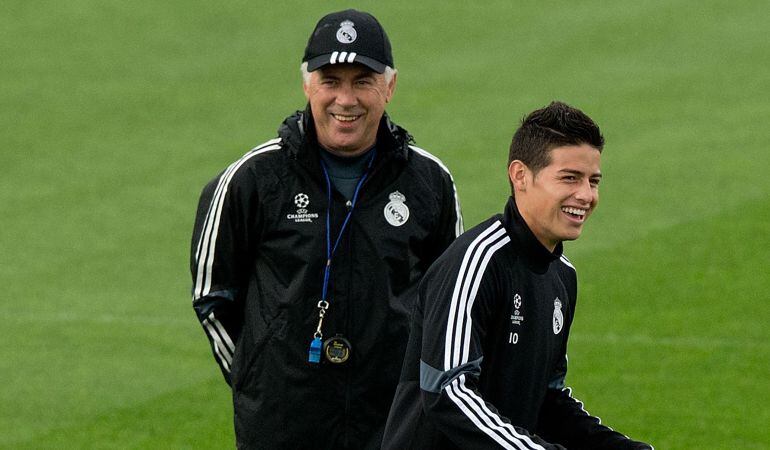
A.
pixel 564 419
pixel 450 224
pixel 219 260
pixel 451 216
pixel 458 298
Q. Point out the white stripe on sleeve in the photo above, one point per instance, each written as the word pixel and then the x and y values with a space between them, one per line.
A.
pixel 459 228
pixel 222 332
pixel 207 243
pixel 453 310
pixel 476 282
pixel 222 353
pixel 458 337
pixel 452 394
pixel 464 292
pixel 494 423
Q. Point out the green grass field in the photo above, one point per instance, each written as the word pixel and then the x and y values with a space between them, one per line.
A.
pixel 115 114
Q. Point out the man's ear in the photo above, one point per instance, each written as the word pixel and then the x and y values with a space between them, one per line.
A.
pixel 306 90
pixel 517 173
pixel 391 88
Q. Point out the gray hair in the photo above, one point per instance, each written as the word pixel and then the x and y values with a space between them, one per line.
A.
pixel 389 73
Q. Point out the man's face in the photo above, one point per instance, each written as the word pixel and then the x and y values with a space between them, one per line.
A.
pixel 347 101
pixel 557 200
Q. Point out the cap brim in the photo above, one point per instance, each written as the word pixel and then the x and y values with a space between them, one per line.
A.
pixel 325 60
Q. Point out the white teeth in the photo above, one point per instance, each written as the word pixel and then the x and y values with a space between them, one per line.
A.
pixel 342 118
pixel 575 211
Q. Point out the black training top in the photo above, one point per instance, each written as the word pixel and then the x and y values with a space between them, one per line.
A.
pixel 486 360
pixel 258 256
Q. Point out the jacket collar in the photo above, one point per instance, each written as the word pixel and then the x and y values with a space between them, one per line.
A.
pixel 538 257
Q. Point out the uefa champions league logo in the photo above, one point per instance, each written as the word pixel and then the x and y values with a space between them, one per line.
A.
pixel 302 201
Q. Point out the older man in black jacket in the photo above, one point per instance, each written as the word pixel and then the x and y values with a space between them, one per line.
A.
pixel 307 252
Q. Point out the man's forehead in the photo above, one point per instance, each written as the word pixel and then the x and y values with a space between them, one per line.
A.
pixel 354 69
pixel 576 158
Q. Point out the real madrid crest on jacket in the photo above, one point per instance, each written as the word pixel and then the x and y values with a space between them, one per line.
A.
pixel 396 212
pixel 258 261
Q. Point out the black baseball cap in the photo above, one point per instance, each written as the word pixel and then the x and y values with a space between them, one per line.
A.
pixel 348 36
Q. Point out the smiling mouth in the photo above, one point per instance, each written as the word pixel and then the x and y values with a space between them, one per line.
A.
pixel 575 213
pixel 345 118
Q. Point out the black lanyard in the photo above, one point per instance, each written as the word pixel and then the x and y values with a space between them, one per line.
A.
pixel 314 355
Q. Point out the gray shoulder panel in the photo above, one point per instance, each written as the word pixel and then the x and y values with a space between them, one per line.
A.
pixel 434 380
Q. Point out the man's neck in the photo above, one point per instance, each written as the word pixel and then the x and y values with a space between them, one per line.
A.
pixel 347 153
pixel 345 171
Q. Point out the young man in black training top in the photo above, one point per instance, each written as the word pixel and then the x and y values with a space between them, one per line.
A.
pixel 486 358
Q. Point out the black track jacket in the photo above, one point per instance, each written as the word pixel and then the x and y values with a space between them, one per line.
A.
pixel 258 252
pixel 486 359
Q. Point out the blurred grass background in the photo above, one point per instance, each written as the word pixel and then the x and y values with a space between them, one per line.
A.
pixel 114 115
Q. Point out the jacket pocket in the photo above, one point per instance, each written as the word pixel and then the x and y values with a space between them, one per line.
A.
pixel 249 351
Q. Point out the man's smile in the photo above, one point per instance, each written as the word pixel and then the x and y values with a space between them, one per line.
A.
pixel 578 214
pixel 346 117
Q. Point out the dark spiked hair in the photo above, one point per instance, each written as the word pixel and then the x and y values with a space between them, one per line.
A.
pixel 556 125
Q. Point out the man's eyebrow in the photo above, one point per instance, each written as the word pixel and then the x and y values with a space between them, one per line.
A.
pixel 578 172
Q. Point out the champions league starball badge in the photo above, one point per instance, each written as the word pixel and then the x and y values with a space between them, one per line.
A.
pixel 558 317
pixel 396 212
pixel 301 200
pixel 337 349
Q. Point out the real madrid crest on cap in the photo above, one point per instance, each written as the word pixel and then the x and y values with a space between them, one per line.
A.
pixel 396 212
pixel 337 349
pixel 347 37
pixel 347 34
pixel 558 317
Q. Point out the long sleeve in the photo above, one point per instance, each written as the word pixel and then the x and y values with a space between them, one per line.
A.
pixel 451 225
pixel 458 300
pixel 221 246
pixel 564 419
pixel 450 222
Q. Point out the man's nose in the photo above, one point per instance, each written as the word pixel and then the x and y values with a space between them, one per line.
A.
pixel 346 96
pixel 585 192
